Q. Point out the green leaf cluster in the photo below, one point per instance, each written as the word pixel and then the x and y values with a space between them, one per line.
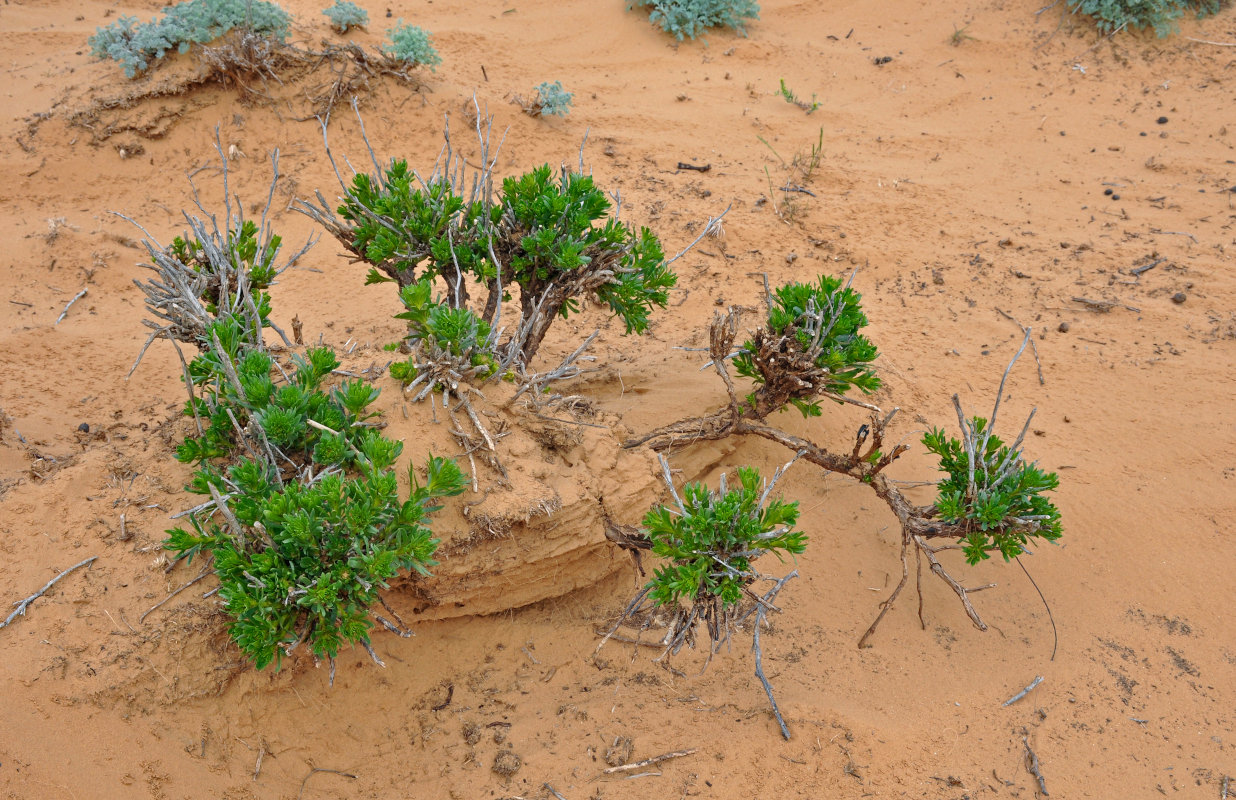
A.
pixel 548 230
pixel 316 525
pixel 281 412
pixel 822 321
pixel 1006 506
pixel 456 331
pixel 1113 15
pixel 686 19
pixel 411 228
pixel 311 557
pixel 711 541
pixel 241 248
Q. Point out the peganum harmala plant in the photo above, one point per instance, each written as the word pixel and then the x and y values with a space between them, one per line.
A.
pixel 991 501
pixel 547 234
pixel 709 540
pixel 304 523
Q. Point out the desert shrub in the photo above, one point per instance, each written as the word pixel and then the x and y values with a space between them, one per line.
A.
pixel 304 522
pixel 551 101
pixel 991 500
pixel 549 234
pixel 135 45
pixel 809 345
pixel 993 491
pixel 345 14
pixel 687 19
pixel 1114 15
pixel 307 525
pixel 711 540
pixel 411 45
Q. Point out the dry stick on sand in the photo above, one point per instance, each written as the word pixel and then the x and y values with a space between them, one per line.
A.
pixel 22 605
pixel 648 762
pixel 1037 680
pixel 76 297
pixel 1032 766
pixel 315 771
pixel 159 604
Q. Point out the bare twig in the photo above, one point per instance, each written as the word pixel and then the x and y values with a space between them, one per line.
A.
pixel 1037 680
pixel 1216 44
pixel 759 670
pixel 316 770
pixel 76 297
pixel 1032 765
pixel 1051 618
pixel 159 604
pixel 22 605
pixel 648 762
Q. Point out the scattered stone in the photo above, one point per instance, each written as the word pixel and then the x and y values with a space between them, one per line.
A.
pixel 1063 327
pixel 1161 120
pixel 84 427
pixel 1179 298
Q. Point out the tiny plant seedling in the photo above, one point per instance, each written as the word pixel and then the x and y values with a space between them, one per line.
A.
pixel 788 95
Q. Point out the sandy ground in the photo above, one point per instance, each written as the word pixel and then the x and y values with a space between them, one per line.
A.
pixel 961 179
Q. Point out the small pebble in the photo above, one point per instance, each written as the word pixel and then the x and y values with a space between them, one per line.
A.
pixel 1161 120
pixel 84 427
pixel 1107 191
pixel 1179 298
pixel 1115 197
pixel 1063 327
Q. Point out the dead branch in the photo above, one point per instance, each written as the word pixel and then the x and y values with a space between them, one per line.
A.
pixel 648 762
pixel 22 605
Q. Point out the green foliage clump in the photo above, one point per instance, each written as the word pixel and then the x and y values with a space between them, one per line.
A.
pixel 345 14
pixel 135 45
pixel 810 344
pixel 555 234
pixel 411 45
pixel 407 228
pixel 1114 15
pixel 687 19
pixel 712 538
pixel 552 237
pixel 551 100
pixel 441 330
pixel 993 491
pixel 242 251
pixel 303 555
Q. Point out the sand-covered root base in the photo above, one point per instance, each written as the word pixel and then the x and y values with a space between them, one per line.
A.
pixel 539 532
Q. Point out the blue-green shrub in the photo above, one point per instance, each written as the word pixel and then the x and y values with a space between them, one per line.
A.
pixel 687 19
pixel 345 14
pixel 135 45
pixel 1112 15
pixel 411 45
